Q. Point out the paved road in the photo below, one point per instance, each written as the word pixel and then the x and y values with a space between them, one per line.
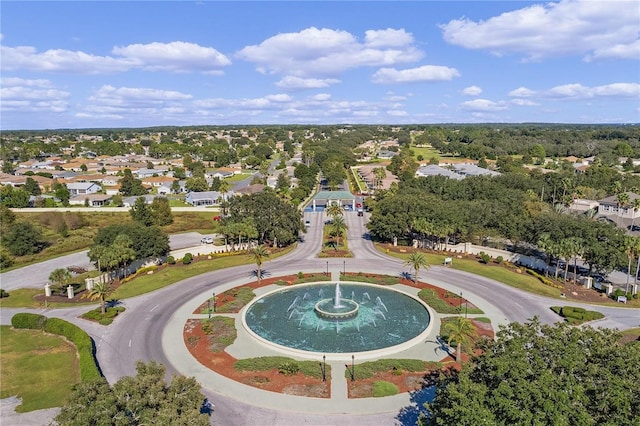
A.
pixel 37 275
pixel 137 334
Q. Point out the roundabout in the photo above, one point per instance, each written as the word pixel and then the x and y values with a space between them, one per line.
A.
pixel 215 371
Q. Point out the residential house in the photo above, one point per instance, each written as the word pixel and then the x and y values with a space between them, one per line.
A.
pixel 130 201
pixel 206 198
pixel 433 170
pixel 157 181
pixel 93 200
pixel 83 188
pixel 609 207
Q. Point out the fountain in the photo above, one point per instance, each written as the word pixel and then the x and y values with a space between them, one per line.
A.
pixel 341 309
pixel 382 318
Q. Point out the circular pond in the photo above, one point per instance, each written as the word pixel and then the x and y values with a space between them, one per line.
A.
pixel 375 317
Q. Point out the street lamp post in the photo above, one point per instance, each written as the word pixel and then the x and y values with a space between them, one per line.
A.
pixel 209 307
pixel 344 267
pixel 327 268
pixel 460 304
pixel 353 368
pixel 214 301
pixel 323 368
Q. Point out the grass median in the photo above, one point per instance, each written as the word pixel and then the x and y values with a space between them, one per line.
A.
pixel 172 274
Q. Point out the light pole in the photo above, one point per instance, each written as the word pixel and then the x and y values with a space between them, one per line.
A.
pixel 209 307
pixel 327 268
pixel 460 304
pixel 344 267
pixel 323 368
pixel 214 301
pixel 353 368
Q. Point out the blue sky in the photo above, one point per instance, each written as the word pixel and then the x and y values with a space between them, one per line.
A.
pixel 146 63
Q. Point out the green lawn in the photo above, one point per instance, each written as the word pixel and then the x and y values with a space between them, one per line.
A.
pixel 238 177
pixel 172 274
pixel 426 152
pixel 495 272
pixel 39 368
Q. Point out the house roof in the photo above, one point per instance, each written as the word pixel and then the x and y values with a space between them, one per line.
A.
pixel 613 200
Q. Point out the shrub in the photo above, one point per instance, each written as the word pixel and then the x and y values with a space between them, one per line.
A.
pixel 146 269
pixel 28 321
pixel 107 318
pixel 171 260
pixel 300 275
pixel 499 259
pixel 484 257
pixel 288 368
pixel 3 293
pixel 382 388
pixel 187 259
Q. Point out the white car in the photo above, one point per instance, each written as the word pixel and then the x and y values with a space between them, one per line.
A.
pixel 207 240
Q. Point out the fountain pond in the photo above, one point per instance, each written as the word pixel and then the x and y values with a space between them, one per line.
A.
pixel 337 318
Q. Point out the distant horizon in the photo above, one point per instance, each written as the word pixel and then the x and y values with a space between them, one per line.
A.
pixel 326 124
pixel 169 63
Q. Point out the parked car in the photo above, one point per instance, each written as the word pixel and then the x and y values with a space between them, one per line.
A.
pixel 207 240
pixel 307 223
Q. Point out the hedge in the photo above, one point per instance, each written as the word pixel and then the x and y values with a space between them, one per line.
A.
pixel 28 321
pixel 86 350
pixel 576 315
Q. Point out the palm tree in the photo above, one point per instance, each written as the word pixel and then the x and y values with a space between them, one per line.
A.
pixel 545 244
pixel 101 291
pixel 224 189
pixel 631 248
pixel 567 248
pixel 122 250
pixel 635 205
pixel 461 331
pixel 417 261
pixel 60 277
pixel 259 253
pixel 622 199
pixel 334 211
pixel 380 174
pixel 338 227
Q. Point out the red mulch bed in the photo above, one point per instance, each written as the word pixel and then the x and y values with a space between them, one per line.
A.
pixel 222 363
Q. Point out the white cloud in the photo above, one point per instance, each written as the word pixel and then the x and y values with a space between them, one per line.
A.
pixel 579 91
pixel 618 51
pixel 483 105
pixel 387 38
pixel 25 95
pixel 472 91
pixel 523 102
pixel 321 97
pixel 130 95
pixel 295 83
pixel 424 73
pixel 596 29
pixel 397 113
pixel 279 98
pixel 174 57
pixel 326 52
pixel 522 92
pixel 58 60
pixel 177 56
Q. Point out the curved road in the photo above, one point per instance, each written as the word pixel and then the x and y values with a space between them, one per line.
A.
pixel 137 334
